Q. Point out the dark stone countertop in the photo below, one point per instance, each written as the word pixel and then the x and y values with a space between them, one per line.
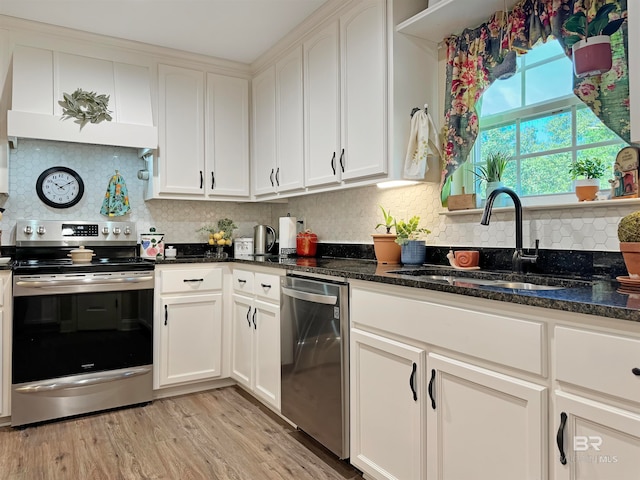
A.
pixel 593 296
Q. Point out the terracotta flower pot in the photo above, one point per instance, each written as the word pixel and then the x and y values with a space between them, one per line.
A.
pixel 387 251
pixel 592 56
pixel 587 189
pixel 631 255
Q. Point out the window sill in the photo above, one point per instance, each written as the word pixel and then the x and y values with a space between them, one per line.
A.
pixel 559 206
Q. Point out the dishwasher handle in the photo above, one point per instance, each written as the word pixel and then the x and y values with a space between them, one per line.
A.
pixel 310 297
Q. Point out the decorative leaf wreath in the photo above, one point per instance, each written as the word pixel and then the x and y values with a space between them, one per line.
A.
pixel 85 107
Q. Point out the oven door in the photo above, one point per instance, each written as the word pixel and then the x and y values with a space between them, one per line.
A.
pixel 82 343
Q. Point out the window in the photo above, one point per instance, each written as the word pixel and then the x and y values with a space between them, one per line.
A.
pixel 535 117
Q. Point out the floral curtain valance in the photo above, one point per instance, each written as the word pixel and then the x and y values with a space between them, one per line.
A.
pixel 475 57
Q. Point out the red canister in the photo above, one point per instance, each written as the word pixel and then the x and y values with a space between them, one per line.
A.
pixel 306 244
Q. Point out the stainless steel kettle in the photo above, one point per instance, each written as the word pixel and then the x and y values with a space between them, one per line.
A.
pixel 261 244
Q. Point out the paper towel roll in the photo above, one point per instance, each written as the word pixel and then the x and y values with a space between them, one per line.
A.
pixel 287 235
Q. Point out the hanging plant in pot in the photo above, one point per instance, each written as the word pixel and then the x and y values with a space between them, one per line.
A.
pixel 387 251
pixel 586 173
pixel 413 250
pixel 591 42
pixel 629 237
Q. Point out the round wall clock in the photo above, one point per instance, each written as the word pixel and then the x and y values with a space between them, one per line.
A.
pixel 60 187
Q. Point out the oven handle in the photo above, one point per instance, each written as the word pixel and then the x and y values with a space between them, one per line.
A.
pixel 310 297
pixel 74 282
pixel 49 386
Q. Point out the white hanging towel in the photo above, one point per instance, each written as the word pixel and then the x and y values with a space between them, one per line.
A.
pixel 423 144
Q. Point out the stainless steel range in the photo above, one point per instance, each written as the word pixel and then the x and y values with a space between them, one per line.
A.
pixel 82 333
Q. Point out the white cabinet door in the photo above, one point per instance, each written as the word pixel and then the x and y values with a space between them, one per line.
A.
pixel 322 107
pixel 191 334
pixel 242 340
pixel 181 130
pixel 264 132
pixel 227 136
pixel 363 92
pixel 598 441
pixel 484 423
pixel 289 122
pixel 267 352
pixel 388 425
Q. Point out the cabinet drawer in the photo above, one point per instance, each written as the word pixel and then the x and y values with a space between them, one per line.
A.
pixel 267 287
pixel 243 281
pixel 190 280
pixel 598 361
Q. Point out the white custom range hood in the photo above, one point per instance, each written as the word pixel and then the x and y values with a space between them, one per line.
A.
pixel 40 77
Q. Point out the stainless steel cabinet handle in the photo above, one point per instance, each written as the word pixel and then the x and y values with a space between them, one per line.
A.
pixel 310 297
pixel 49 386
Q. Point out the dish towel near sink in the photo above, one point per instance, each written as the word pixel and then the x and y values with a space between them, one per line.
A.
pixel 423 143
pixel 116 200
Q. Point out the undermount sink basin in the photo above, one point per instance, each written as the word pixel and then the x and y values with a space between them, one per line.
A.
pixel 459 279
pixel 525 286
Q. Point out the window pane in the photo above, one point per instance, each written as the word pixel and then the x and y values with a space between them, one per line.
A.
pixel 545 133
pixel 590 129
pixel 608 154
pixel 502 96
pixel 497 139
pixel 542 51
pixel 549 81
pixel 546 174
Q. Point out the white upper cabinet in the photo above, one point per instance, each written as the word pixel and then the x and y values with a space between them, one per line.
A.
pixel 322 107
pixel 181 118
pixel 345 97
pixel 277 127
pixel 204 135
pixel 289 122
pixel 363 94
pixel 227 136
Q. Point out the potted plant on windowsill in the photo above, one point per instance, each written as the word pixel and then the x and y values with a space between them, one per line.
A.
pixel 629 237
pixel 586 173
pixel 413 250
pixel 387 251
pixel 492 172
pixel 591 42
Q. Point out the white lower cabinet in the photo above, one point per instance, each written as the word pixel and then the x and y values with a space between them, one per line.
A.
pixel 187 325
pixel 387 407
pixel 483 424
pixel 255 334
pixel 594 441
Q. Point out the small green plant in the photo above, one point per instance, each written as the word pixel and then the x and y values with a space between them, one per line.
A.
pixel 494 168
pixel 409 230
pixel 587 167
pixel 629 228
pixel 389 221
pixel 579 24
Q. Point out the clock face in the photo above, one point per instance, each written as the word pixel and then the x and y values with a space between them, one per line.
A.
pixel 60 187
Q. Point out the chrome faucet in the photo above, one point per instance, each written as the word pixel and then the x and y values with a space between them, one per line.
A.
pixel 518 256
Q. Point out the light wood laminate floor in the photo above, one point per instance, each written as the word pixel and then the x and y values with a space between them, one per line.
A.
pixel 220 434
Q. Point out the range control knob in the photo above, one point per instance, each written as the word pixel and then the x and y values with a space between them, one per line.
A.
pixel 127 230
pixel 28 230
pixel 105 230
pixel 117 230
pixel 41 230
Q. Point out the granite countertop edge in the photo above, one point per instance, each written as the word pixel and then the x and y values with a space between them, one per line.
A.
pixel 597 297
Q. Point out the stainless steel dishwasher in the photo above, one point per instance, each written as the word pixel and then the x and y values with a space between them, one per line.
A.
pixel 314 357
